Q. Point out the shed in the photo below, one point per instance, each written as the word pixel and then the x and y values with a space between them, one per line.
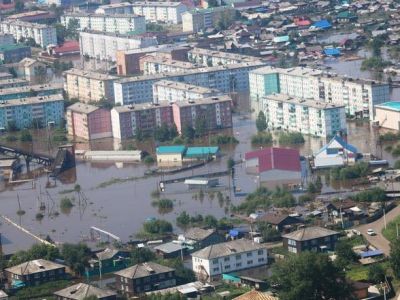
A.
pixel 332 52
pixel 171 250
pixel 201 152
pixel 196 183
pixel 166 154
pixel 371 253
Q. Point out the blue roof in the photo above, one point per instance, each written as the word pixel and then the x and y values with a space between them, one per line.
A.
pixel 371 253
pixel 332 51
pixel 394 105
pixel 171 149
pixel 342 142
pixel 323 24
pixel 201 151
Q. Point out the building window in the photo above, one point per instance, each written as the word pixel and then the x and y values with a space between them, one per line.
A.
pixel 215 261
pixel 249 254
pixel 216 270
pixel 227 267
pixel 260 252
pixel 238 257
pixel 261 259
pixel 292 242
pixel 249 262
pixel 238 265
pixel 226 258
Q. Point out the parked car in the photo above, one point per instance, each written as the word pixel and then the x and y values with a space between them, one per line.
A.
pixel 371 232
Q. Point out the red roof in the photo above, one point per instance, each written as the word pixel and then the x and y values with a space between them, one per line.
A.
pixel 273 158
pixel 68 46
pixel 7 6
pixel 302 22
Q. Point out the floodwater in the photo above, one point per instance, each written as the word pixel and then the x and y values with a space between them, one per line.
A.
pixel 121 208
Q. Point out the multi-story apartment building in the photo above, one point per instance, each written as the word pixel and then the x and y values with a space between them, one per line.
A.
pixel 216 112
pixel 128 120
pixel 12 53
pixel 43 35
pixel 228 79
pixel 40 110
pixel 89 86
pixel 212 261
pixel 173 91
pixel 306 116
pixel 358 96
pixel 31 90
pixel 103 46
pixel 6 38
pixel 201 19
pixel 128 60
pixel 13 83
pixel 114 23
pixel 154 11
pixel 88 122
pixel 144 277
pixel 154 64
pixel 35 272
pixel 212 58
pixel 115 9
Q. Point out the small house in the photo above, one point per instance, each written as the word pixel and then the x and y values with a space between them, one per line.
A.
pixel 335 154
pixel 201 153
pixel 34 272
pixel 199 238
pixel 280 222
pixel 346 17
pixel 82 291
pixel 171 250
pixel 256 295
pixel 322 25
pixel 144 277
pixel 315 239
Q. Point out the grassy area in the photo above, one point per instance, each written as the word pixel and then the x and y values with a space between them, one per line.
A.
pixel 113 181
pixel 45 290
pixel 356 240
pixel 357 272
pixel 390 232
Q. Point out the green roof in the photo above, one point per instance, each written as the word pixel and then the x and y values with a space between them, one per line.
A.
pixel 201 151
pixel 171 149
pixel 8 47
pixel 346 15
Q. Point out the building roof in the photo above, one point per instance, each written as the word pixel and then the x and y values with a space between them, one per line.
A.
pixel 255 295
pixel 107 254
pixel 36 88
pixel 201 151
pixel 185 87
pixel 67 47
pixel 82 108
pixel 34 266
pixel 227 248
pixel 3 294
pixel 143 270
pixel 170 247
pixel 281 39
pixel 273 158
pixel 323 24
pixel 82 290
pixel 141 106
pixel 274 219
pixel 32 100
pixel 198 234
pixel 208 100
pixel 332 51
pixel 309 233
pixel 10 47
pixel 32 13
pixel 171 149
pixel 391 105
pixel 156 3
pixel 341 142
pixel 224 55
pixel 90 74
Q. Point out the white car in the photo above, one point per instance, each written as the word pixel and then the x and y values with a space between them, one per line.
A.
pixel 371 232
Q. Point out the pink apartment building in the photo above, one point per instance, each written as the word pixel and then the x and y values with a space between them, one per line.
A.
pixel 88 122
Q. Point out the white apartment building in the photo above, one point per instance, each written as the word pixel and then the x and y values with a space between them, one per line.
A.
pixel 174 91
pixel 43 35
pixel 153 64
pixel 103 46
pixel 167 12
pixel 358 96
pixel 89 86
pixel 227 79
pixel 212 58
pixel 312 117
pixel 228 257
pixel 107 23
pixel 201 19
pixel 115 9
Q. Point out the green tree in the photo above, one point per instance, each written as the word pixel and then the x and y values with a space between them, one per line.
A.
pixel 310 276
pixel 376 273
pixel 19 5
pixel 201 126
pixel 61 33
pixel 139 135
pixel 26 136
pixel 268 232
pixel 141 255
pixel 397 164
pixel 261 122
pixel 394 257
pixel 188 132
pixel 183 219
pixel 173 132
pixel 157 227
pixel 76 256
pixel 344 252
pixel 230 163
pixel 72 29
pixel 210 221
pixel 37 251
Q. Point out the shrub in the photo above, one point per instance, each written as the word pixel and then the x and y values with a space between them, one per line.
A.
pixel 262 138
pixel 291 138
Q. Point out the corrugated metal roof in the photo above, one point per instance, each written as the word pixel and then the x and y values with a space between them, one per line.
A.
pixel 171 149
pixel 201 151
pixel 273 158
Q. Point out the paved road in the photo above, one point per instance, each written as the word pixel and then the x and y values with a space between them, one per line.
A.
pixel 378 240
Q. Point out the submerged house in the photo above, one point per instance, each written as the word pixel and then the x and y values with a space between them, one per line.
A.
pixel 335 154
